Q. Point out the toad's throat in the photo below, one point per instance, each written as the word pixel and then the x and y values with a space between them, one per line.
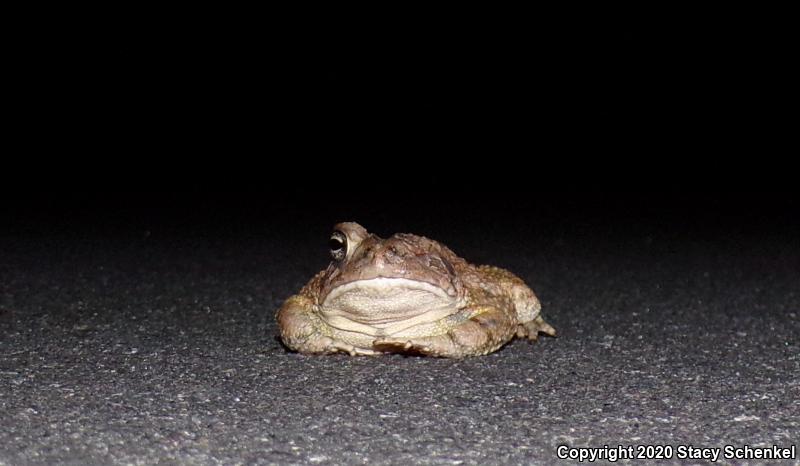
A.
pixel 386 306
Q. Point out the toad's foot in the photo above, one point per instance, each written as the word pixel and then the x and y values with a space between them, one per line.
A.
pixel 334 346
pixel 530 330
pixel 487 329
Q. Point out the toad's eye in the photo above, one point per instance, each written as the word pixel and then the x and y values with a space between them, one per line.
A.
pixel 338 245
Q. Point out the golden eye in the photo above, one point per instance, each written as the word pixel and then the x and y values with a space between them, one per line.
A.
pixel 338 245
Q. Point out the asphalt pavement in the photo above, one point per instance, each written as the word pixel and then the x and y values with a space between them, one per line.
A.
pixel 143 341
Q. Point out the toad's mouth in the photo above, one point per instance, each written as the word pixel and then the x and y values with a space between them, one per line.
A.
pixel 386 306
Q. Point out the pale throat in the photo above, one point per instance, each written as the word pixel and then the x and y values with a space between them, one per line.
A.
pixel 386 306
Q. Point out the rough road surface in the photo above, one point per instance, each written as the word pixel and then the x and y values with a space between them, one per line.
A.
pixel 140 344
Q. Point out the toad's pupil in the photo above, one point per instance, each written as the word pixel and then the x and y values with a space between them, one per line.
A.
pixel 335 244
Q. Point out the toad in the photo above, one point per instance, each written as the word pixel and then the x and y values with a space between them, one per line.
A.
pixel 407 294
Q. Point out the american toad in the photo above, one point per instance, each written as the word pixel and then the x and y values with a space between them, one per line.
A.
pixel 407 294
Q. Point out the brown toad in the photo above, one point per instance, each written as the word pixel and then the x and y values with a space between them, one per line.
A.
pixel 407 294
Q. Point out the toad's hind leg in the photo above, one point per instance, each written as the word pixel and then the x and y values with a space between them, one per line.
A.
pixel 487 329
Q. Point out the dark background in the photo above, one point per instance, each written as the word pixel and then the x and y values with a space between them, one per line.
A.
pixel 632 179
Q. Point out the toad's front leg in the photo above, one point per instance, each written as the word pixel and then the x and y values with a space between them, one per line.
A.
pixel 302 330
pixel 486 329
